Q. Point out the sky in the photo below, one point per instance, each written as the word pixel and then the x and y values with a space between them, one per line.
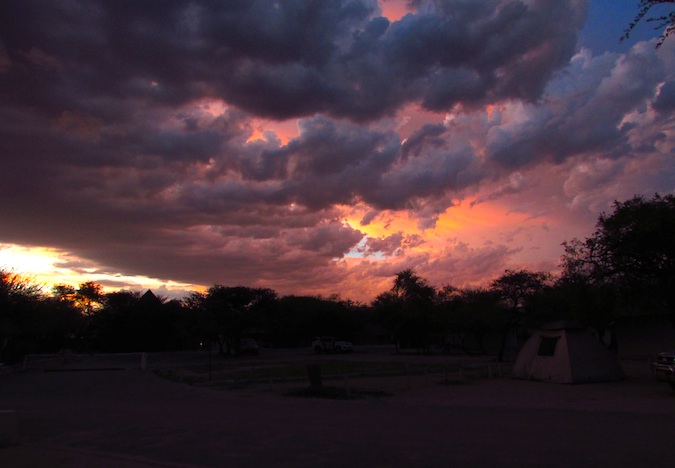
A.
pixel 320 147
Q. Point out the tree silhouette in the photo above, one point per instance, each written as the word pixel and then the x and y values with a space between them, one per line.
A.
pixel 131 322
pixel 30 321
pixel 18 299
pixel 64 293
pixel 664 21
pixel 89 295
pixel 225 313
pixel 632 249
pixel 407 310
pixel 514 288
pixel 465 316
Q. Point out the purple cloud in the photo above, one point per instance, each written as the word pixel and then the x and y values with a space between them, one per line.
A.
pixel 126 129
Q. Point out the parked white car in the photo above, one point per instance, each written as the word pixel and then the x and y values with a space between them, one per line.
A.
pixel 328 344
pixel 664 367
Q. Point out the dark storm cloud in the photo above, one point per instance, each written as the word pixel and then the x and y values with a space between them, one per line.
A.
pixel 332 239
pixel 515 184
pixel 390 245
pixel 428 134
pixel 126 126
pixel 333 162
pixel 588 108
pixel 282 59
pixel 393 245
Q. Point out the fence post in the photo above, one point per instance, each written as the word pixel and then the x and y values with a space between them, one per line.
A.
pixel 314 373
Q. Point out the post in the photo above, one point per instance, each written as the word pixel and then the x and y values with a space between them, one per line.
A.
pixel 407 376
pixel 210 360
pixel 314 373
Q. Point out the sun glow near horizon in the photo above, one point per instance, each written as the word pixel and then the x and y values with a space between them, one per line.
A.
pixel 28 261
pixel 48 267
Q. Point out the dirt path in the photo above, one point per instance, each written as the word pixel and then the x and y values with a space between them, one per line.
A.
pixel 133 418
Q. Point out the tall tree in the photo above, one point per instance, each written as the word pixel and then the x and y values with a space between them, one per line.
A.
pixel 407 310
pixel 413 289
pixel 632 249
pixel 514 287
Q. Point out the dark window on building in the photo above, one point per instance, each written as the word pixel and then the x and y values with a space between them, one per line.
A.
pixel 547 346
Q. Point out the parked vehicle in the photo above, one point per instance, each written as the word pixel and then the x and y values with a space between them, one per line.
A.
pixel 328 344
pixel 664 367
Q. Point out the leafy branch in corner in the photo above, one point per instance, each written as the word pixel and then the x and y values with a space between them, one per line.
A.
pixel 663 21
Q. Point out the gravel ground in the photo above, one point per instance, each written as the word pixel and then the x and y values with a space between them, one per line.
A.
pixel 133 418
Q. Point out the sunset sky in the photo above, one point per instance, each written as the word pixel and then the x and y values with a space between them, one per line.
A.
pixel 319 147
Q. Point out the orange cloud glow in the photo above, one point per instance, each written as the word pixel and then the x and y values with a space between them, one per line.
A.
pixel 394 9
pixel 285 130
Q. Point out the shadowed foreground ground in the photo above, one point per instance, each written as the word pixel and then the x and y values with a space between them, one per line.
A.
pixel 133 418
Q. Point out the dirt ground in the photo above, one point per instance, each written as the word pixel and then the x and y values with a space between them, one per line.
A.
pixel 133 418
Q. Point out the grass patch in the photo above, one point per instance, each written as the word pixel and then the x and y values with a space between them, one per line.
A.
pixel 237 373
pixel 337 393
pixel 252 371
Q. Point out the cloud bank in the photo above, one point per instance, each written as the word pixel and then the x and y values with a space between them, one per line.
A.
pixel 130 133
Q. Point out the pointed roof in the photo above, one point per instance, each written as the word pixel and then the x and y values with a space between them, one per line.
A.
pixel 149 298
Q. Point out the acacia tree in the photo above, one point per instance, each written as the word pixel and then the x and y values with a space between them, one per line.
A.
pixel 64 293
pixel 514 287
pixel 89 296
pixel 665 22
